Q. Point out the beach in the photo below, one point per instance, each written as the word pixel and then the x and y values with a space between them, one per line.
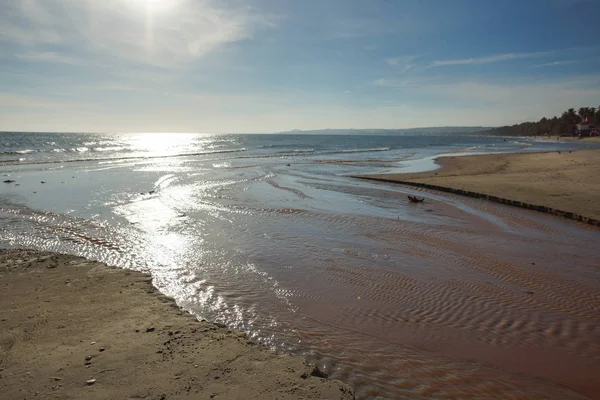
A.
pixel 269 235
pixel 77 329
pixel 562 180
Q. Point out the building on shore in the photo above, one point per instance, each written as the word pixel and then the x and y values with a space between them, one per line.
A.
pixel 586 128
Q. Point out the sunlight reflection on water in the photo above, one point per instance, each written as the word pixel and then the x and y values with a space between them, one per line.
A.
pixel 399 300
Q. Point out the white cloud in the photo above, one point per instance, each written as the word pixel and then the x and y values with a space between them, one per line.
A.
pixel 179 31
pixel 556 63
pixel 485 60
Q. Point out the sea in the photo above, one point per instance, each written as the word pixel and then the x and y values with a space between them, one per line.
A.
pixel 453 298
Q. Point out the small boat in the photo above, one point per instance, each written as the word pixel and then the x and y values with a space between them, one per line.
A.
pixel 415 199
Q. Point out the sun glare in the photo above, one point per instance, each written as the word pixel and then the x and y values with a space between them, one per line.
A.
pixel 154 5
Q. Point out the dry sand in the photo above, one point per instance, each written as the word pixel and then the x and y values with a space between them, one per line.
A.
pixel 77 329
pixel 568 181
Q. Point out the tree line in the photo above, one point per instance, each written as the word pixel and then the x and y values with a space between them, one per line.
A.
pixel 555 126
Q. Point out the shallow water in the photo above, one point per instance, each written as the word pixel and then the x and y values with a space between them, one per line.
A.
pixel 453 298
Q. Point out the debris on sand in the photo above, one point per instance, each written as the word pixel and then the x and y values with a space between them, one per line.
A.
pixel 415 199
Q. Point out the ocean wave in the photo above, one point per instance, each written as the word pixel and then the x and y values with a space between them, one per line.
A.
pixel 107 159
pixel 13 152
pixel 109 148
pixel 364 150
pixel 521 144
pixel 273 146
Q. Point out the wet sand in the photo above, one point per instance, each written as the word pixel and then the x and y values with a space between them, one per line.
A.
pixel 594 139
pixel 453 298
pixel 74 329
pixel 567 181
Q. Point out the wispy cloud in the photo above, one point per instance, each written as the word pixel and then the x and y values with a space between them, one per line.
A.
pixel 184 30
pixel 405 62
pixel 49 56
pixel 537 96
pixel 556 63
pixel 16 100
pixel 403 83
pixel 485 60
pixel 360 27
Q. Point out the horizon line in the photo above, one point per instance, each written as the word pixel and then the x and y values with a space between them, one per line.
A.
pixel 258 133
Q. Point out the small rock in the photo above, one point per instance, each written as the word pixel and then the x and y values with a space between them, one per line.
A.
pixel 93 343
pixel 9 181
pixel 56 378
pixel 101 349
pixel 43 182
pixel 318 373
pixel 151 329
pixel 90 382
pixel 88 358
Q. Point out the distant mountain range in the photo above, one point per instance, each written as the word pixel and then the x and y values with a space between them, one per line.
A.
pixel 437 130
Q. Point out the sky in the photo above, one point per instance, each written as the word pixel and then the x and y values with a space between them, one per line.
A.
pixel 275 65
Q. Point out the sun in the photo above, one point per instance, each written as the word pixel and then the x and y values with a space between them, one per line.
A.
pixel 154 5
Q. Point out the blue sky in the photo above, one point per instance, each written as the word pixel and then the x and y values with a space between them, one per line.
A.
pixel 274 65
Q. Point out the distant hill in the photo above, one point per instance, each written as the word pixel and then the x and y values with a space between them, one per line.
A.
pixel 439 130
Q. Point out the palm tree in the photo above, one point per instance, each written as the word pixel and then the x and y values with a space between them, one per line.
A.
pixel 571 120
